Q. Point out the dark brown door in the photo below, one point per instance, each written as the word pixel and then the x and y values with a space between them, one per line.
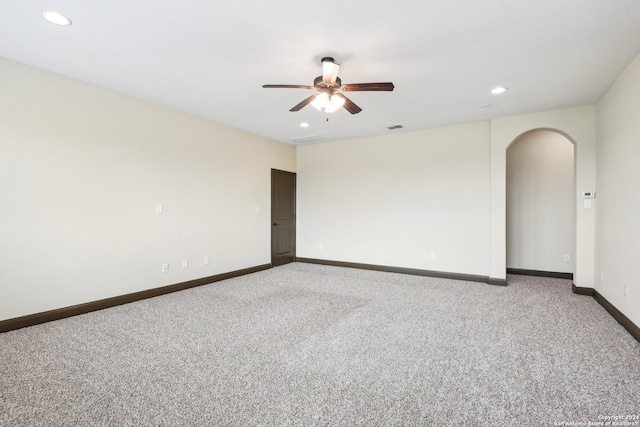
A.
pixel 283 217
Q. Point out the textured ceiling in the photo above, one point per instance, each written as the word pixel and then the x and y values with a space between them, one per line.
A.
pixel 210 58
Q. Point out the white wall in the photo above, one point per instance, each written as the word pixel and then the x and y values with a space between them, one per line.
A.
pixel 540 203
pixel 81 172
pixel 392 200
pixel 618 193
pixel 578 124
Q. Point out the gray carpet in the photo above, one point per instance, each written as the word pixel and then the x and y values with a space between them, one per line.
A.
pixel 314 345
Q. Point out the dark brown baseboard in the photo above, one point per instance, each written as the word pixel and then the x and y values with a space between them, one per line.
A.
pixel 539 273
pixel 61 313
pixel 48 316
pixel 498 282
pixel 581 291
pixel 631 327
pixel 626 323
pixel 403 270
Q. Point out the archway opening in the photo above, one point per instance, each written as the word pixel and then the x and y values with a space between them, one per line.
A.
pixel 541 211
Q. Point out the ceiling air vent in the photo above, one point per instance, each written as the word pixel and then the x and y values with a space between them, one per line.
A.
pixel 395 127
pixel 306 139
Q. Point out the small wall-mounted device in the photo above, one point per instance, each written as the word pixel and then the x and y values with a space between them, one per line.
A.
pixel 588 194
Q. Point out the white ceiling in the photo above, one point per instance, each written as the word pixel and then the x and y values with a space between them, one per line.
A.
pixel 210 58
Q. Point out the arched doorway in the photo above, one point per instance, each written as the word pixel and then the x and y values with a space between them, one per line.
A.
pixel 540 204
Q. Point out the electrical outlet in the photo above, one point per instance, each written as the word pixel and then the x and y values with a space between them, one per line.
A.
pixel 207 261
pixel 185 264
pixel 567 257
pixel 320 247
pixel 626 291
pixel 433 256
pixel 165 268
pixel 602 275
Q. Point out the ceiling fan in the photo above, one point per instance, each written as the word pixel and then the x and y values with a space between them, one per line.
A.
pixel 329 86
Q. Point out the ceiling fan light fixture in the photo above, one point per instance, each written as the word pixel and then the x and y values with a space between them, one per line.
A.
pixel 327 103
pixel 321 100
pixel 329 70
pixel 335 103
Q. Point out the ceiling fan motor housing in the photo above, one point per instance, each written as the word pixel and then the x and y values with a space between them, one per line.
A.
pixel 319 83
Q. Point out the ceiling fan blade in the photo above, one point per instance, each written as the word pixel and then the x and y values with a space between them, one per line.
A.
pixel 287 87
pixel 379 87
pixel 348 104
pixel 308 100
pixel 329 70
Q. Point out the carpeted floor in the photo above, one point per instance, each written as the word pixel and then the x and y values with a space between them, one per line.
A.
pixel 311 345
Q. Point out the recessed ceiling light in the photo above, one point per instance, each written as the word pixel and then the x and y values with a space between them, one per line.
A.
pixel 56 18
pixel 304 125
pixel 498 90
